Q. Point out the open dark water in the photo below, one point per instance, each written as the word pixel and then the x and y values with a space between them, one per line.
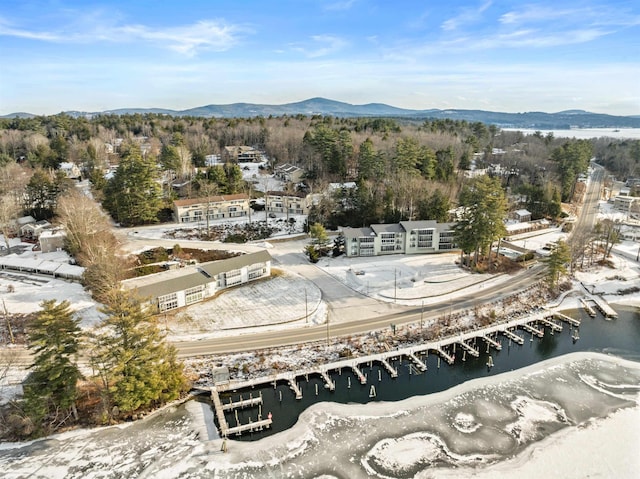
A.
pixel 620 337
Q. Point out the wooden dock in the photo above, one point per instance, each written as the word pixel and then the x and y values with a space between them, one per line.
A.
pixel 295 388
pixel 491 342
pixel 217 406
pixel 566 319
pixel 250 426
pixel 532 330
pixel 470 349
pixel 419 364
pixel 440 346
pixel 393 372
pixel 587 307
pixel 328 382
pixel 604 307
pixel 447 357
pixel 551 324
pixel 512 336
pixel 356 370
pixel 242 403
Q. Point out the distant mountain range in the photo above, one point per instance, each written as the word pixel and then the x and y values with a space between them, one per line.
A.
pixel 322 106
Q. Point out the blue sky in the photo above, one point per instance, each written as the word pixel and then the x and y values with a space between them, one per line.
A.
pixel 507 55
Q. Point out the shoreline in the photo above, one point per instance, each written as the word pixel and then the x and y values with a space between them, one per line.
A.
pixel 294 440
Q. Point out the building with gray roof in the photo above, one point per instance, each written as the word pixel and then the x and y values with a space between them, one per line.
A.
pixel 181 287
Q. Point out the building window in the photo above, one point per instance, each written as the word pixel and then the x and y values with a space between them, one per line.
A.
pixel 233 277
pixel 193 295
pixel 425 238
pixel 167 302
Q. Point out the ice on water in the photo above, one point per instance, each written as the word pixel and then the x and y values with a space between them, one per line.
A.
pixel 475 429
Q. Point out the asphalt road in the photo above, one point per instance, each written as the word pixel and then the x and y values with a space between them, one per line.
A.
pixel 359 314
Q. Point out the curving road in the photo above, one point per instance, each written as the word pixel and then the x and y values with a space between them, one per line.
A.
pixel 360 314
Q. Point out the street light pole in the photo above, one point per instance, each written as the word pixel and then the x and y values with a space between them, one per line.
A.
pixel 421 316
pixel 306 307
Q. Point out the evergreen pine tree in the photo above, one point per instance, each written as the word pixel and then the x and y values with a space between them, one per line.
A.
pixel 138 369
pixel 50 391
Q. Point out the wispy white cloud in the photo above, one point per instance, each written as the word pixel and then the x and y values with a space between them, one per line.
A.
pixel 465 17
pixel 587 15
pixel 339 5
pixel 215 35
pixel 321 45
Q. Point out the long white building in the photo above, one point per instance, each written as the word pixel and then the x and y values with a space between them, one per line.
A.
pixel 181 287
pixel 406 237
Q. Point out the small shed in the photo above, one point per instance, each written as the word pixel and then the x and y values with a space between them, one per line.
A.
pixel 523 216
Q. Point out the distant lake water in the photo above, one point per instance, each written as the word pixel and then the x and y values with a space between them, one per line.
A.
pixel 586 133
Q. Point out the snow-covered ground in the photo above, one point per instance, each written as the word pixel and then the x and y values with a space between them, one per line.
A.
pixel 574 416
pixel 385 440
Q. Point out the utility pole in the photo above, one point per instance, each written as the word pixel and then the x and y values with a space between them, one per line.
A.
pixel 421 316
pixel 395 284
pixel 306 307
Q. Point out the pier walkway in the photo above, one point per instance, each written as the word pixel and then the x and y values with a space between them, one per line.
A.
pixel 604 307
pixel 551 324
pixel 491 342
pixel 512 336
pixel 470 349
pixel 443 347
pixel 417 361
pixel 587 307
pixel 242 403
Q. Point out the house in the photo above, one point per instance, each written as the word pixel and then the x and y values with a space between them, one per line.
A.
pixel 177 288
pixel 625 204
pixel 215 207
pixel 342 187
pixel 406 237
pixel 287 202
pixel 32 231
pixel 522 216
pixel 70 170
pixel 288 173
pixel 52 240
pixel 241 154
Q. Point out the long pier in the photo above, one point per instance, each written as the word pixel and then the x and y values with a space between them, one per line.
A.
pixel 242 403
pixel 440 347
pixel 217 406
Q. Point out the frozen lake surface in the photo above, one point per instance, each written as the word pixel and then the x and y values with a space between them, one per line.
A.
pixel 487 427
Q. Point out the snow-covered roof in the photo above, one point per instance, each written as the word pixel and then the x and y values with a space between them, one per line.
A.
pixel 25 220
pixel 41 266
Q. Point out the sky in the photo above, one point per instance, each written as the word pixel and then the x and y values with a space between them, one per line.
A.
pixel 502 55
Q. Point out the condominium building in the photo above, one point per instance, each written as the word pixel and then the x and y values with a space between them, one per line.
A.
pixel 406 237
pixel 215 207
